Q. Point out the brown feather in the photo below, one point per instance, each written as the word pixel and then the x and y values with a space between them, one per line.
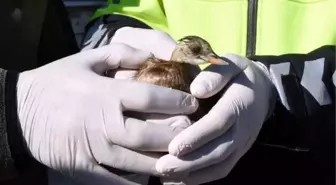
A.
pixel 175 73
pixel 164 73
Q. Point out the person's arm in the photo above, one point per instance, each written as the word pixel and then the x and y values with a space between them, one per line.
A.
pixel 100 31
pixel 7 169
pixel 306 99
pixel 13 155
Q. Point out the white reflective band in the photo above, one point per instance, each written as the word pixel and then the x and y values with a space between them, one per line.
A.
pixel 276 71
pixel 312 81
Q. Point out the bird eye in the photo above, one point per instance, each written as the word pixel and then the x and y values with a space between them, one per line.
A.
pixel 195 49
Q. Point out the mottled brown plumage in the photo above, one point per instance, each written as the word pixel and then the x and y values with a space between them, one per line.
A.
pixel 165 73
pixel 175 73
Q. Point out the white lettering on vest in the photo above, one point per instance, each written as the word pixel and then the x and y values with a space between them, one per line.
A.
pixel 334 78
pixel 276 71
pixel 312 81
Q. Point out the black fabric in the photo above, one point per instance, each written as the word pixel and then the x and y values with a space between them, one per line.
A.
pixel 295 128
pixel 7 167
pixel 40 35
pixel 17 145
pixel 295 146
pixel 57 37
pixel 20 33
pixel 112 23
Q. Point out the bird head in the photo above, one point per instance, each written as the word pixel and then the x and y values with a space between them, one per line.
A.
pixel 195 50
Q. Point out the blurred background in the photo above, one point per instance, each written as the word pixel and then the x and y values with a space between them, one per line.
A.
pixel 79 13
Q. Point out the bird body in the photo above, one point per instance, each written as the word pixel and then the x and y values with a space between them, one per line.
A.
pixel 175 73
pixel 165 73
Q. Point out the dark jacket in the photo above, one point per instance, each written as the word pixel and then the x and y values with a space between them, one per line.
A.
pixel 297 143
pixel 33 33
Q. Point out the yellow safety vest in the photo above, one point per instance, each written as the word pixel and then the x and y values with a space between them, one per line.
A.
pixel 245 27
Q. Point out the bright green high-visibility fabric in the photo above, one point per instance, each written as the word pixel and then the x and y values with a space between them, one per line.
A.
pixel 299 26
pixel 283 26
pixel 148 11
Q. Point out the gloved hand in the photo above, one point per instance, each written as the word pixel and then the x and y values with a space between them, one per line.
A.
pixel 210 148
pixel 72 117
pixel 156 42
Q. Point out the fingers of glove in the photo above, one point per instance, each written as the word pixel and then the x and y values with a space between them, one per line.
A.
pixel 142 97
pixel 211 80
pixel 121 74
pixel 111 57
pixel 214 124
pixel 154 41
pixel 211 153
pixel 140 135
pixel 239 96
pixel 118 158
pixel 207 84
pixel 208 174
pixel 174 121
pixel 232 105
pixel 98 175
pixel 180 121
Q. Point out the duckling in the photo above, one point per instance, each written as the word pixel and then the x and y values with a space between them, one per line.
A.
pixel 190 50
pixel 175 73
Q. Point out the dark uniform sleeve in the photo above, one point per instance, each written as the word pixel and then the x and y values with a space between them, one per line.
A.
pixel 100 31
pixel 16 164
pixel 13 154
pixel 43 34
pixel 305 110
pixel 297 143
pixel 7 169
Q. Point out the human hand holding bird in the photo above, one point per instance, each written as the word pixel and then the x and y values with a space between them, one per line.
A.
pixel 73 119
pixel 176 73
pixel 210 148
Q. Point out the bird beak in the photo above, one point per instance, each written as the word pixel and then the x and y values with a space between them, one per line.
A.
pixel 215 59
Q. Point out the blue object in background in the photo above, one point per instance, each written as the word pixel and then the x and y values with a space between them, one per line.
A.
pixel 81 3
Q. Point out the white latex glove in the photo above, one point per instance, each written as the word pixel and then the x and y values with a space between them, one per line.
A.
pixel 210 148
pixel 72 117
pixel 156 42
